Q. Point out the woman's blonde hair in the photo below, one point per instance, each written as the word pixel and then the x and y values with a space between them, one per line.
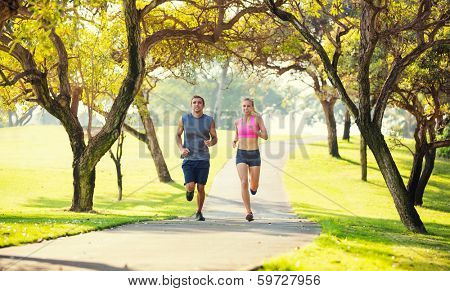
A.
pixel 254 112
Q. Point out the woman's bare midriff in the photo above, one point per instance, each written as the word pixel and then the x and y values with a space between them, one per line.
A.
pixel 248 143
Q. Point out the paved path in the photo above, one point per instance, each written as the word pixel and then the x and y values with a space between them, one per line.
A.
pixel 225 241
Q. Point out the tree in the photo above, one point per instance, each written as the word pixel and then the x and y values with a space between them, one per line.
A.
pixel 117 162
pixel 38 29
pixel 420 91
pixel 379 21
pixel 85 157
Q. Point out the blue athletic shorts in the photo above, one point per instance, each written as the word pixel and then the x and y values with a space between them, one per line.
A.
pixel 251 158
pixel 195 171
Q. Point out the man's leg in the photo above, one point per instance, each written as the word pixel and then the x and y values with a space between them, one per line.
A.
pixel 190 187
pixel 202 172
pixel 189 179
pixel 200 197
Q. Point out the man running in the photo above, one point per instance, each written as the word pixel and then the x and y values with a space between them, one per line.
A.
pixel 199 134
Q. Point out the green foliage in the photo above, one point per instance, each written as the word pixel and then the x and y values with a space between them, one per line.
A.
pixel 445 151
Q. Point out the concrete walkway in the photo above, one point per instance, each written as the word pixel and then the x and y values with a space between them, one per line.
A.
pixel 225 241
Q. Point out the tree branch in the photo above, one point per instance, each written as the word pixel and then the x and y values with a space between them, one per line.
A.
pixel 63 67
pixel 149 7
pixel 397 69
pixel 439 144
pixel 16 78
pixel 317 46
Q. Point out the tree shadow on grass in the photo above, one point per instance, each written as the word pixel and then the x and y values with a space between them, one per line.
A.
pixel 177 186
pixel 387 231
pixel 346 145
pixel 101 202
pixel 438 201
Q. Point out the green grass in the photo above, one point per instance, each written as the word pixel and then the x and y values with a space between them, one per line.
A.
pixel 361 229
pixel 36 185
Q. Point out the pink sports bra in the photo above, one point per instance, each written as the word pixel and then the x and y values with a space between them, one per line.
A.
pixel 244 129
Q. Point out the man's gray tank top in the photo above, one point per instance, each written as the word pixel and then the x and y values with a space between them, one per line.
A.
pixel 196 131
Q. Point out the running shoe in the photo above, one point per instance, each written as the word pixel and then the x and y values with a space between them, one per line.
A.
pixel 249 217
pixel 199 216
pixel 189 195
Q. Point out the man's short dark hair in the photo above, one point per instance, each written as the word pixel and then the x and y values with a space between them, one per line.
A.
pixel 196 96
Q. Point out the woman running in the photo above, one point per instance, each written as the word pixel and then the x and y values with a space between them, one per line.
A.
pixel 248 160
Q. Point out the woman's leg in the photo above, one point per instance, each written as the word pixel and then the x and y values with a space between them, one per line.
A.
pixel 254 177
pixel 242 169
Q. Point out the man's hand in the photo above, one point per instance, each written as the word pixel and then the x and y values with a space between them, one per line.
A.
pixel 184 152
pixel 207 142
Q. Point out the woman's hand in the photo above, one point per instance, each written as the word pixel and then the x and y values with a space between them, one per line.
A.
pixel 234 143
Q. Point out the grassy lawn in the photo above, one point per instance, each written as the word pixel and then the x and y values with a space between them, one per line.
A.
pixel 36 185
pixel 361 229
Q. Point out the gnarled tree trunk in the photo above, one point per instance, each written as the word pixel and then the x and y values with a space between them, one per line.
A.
pixel 430 156
pixel 403 200
pixel 152 140
pixel 328 107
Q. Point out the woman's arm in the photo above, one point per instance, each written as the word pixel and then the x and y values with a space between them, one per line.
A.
pixel 236 138
pixel 262 133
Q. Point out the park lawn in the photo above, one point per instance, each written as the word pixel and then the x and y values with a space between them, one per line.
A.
pixel 361 229
pixel 36 185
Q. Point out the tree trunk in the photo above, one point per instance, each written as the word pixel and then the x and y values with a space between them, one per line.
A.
pixel 11 115
pixel 119 182
pixel 222 81
pixel 119 178
pixel 76 94
pixel 415 171
pixel 116 159
pixel 152 140
pixel 403 200
pixel 89 126
pixel 430 156
pixel 418 156
pixel 83 181
pixel 84 184
pixel 347 125
pixel 363 158
pixel 331 127
pixel 26 117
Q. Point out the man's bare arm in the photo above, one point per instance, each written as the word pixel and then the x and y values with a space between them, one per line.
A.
pixel 213 133
pixel 180 130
